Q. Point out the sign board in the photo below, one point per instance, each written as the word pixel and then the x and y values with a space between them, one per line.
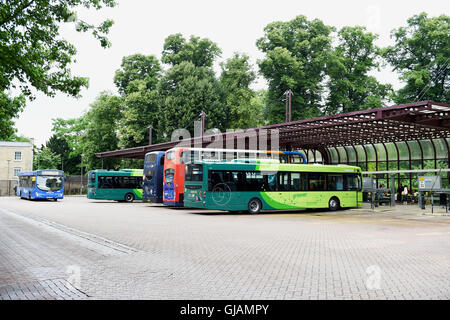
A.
pixel 429 183
pixel 50 173
pixel 369 184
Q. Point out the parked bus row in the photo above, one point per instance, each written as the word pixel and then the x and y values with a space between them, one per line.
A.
pixel 223 179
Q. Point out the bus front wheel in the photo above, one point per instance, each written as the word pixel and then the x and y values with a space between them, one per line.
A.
pixel 333 204
pixel 129 197
pixel 254 206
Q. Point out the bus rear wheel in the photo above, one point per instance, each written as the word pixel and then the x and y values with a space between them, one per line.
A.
pixel 254 206
pixel 129 197
pixel 333 204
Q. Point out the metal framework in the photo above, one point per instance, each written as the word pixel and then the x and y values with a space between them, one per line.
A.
pixel 418 121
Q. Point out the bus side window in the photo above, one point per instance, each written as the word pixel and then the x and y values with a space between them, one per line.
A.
pixel 296 184
pixel 271 182
pixel 283 181
pixel 335 182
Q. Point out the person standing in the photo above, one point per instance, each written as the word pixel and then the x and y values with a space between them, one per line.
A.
pixel 405 195
pixel 399 193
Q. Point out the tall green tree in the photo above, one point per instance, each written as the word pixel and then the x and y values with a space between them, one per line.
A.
pixel 101 131
pixel 186 91
pixel 241 101
pixel 421 55
pixel 70 131
pixel 350 86
pixel 296 53
pixel 59 146
pixel 137 81
pixel 201 52
pixel 10 107
pixel 34 55
pixel 44 158
pixel 189 86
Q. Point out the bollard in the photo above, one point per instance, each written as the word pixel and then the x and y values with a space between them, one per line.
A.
pixel 422 202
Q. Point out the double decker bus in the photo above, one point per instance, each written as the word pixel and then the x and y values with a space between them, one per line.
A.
pixel 41 184
pixel 267 186
pixel 175 159
pixel 123 185
pixel 153 177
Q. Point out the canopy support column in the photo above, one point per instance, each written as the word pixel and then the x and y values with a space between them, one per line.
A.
pixel 435 155
pixel 387 164
pixel 398 162
pixel 410 166
pixel 376 162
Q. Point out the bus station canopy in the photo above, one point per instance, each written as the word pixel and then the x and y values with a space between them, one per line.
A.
pixel 425 120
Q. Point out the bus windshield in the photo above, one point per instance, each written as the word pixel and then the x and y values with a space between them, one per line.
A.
pixel 169 175
pixel 170 155
pixel 91 180
pixel 149 174
pixel 49 183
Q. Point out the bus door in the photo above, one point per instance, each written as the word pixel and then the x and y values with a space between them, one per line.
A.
pixel 298 195
pixel 317 184
pixel 284 196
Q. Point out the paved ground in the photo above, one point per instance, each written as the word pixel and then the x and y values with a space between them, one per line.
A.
pixel 82 249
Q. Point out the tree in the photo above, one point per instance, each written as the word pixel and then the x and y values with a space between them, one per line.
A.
pixel 9 109
pixel 186 91
pixel 243 103
pixel 137 81
pixel 59 146
pixel 350 86
pixel 70 131
pixel 421 55
pixel 34 55
pixel 296 55
pixel 44 158
pixel 137 67
pixel 201 52
pixel 101 131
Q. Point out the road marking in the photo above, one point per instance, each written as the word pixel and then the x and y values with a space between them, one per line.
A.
pixel 88 240
pixel 432 234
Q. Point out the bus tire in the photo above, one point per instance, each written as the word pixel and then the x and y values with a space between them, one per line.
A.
pixel 129 197
pixel 254 206
pixel 333 204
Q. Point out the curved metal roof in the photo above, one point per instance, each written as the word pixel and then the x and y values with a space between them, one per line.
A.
pixel 412 121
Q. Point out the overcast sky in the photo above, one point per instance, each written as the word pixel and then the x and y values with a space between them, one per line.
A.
pixel 142 25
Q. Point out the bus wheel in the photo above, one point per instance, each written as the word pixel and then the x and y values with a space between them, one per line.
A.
pixel 333 204
pixel 254 206
pixel 129 197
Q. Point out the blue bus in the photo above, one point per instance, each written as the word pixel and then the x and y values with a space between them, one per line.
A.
pixel 153 177
pixel 41 184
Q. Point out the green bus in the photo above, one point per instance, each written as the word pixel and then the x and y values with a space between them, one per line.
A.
pixel 122 185
pixel 271 186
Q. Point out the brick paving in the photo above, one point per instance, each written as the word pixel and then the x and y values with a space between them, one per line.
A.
pixel 143 251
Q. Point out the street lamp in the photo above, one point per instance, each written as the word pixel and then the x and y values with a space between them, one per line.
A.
pixel 39 159
pixel 9 184
pixel 81 178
